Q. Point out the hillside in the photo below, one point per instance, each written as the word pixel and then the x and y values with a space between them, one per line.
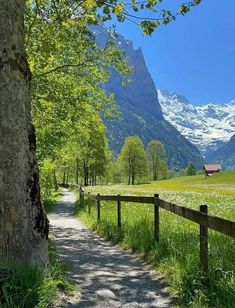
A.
pixel 141 111
pixel 225 155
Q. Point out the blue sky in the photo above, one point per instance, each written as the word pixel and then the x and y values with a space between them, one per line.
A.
pixel 195 55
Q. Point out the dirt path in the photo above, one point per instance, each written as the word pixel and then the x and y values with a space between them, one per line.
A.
pixel 107 276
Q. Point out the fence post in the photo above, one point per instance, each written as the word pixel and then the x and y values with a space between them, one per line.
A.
pixel 156 217
pixel 204 243
pixel 98 208
pixel 89 204
pixel 119 219
pixel 81 198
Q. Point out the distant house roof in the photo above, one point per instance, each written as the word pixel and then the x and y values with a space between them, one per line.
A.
pixel 215 167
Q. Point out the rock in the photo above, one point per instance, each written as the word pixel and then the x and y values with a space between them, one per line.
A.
pixel 106 294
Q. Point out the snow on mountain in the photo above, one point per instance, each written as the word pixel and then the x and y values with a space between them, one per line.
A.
pixel 208 127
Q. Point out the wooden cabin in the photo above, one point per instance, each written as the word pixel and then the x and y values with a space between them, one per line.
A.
pixel 211 169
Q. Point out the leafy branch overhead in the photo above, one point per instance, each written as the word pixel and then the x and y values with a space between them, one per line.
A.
pixel 148 15
pixel 67 70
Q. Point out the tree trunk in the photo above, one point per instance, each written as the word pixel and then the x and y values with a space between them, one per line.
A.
pixel 67 176
pixel 86 174
pixel 133 179
pixel 77 170
pixel 23 223
pixel 55 181
pixel 154 174
pixel 64 177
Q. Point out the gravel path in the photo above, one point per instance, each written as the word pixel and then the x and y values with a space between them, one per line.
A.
pixel 106 275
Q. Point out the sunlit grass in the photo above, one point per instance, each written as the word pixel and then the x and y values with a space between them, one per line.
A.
pixel 51 202
pixel 26 286
pixel 177 253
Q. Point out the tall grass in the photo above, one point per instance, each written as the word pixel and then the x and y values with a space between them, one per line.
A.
pixel 177 254
pixel 51 201
pixel 26 286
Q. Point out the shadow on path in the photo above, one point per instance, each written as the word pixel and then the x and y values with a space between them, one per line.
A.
pixel 98 265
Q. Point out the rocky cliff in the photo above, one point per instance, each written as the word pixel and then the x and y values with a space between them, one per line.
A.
pixel 141 111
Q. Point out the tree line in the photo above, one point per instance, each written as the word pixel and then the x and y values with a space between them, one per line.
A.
pixel 90 162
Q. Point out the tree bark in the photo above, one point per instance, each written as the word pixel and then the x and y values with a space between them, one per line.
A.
pixel 77 170
pixel 154 173
pixel 23 223
pixel 55 182
pixel 67 176
pixel 132 179
pixel 64 177
pixel 86 174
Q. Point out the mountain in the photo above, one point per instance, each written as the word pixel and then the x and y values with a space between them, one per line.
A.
pixel 225 155
pixel 141 112
pixel 208 127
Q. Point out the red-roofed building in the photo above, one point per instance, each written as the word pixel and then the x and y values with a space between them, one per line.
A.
pixel 211 169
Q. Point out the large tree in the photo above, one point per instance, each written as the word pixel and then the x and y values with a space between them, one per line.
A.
pixel 85 155
pixel 133 159
pixel 157 159
pixel 23 223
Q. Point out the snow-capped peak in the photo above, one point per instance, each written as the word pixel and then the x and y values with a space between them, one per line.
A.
pixel 207 126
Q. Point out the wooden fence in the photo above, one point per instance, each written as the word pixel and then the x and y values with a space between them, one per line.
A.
pixel 201 217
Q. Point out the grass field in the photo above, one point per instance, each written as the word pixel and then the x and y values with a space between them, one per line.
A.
pixel 177 254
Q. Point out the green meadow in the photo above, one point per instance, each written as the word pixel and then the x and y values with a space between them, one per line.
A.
pixel 177 254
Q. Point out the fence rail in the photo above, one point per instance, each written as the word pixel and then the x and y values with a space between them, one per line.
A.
pixel 201 217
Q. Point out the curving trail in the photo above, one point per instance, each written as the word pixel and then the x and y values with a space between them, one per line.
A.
pixel 106 276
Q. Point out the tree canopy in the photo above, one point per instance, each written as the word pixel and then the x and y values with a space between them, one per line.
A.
pixel 157 159
pixel 68 68
pixel 191 169
pixel 133 159
pixel 154 16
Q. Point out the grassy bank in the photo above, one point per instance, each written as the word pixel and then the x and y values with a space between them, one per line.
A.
pixel 25 286
pixel 177 254
pixel 51 202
